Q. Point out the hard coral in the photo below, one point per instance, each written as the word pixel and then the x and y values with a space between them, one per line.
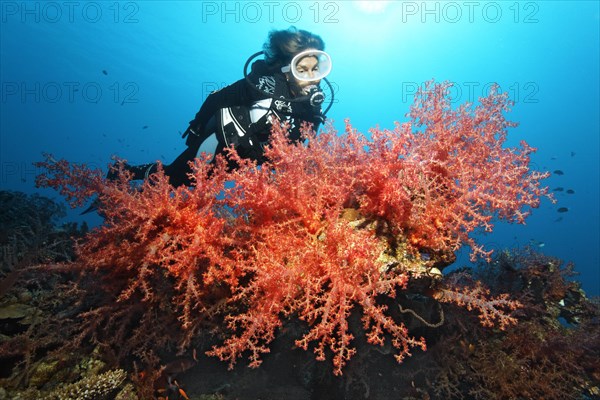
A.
pixel 97 387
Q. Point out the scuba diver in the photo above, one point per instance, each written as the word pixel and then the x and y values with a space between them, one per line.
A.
pixel 285 87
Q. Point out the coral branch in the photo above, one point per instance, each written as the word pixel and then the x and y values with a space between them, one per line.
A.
pixel 492 310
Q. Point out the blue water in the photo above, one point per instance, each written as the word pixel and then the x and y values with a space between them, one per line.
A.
pixel 87 80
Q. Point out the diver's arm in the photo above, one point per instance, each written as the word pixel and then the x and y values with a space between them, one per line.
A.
pixel 238 93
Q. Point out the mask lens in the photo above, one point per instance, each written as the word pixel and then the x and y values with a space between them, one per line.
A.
pixel 311 65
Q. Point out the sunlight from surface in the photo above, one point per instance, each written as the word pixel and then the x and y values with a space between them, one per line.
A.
pixel 372 6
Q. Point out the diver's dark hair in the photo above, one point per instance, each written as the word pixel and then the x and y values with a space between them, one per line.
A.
pixel 283 45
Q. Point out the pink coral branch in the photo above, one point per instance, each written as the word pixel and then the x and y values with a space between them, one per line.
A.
pixel 475 297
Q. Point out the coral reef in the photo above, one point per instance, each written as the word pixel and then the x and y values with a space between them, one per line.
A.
pixel 277 245
pixel 336 246
pixel 551 353
pixel 28 231
pixel 96 387
pixel 38 294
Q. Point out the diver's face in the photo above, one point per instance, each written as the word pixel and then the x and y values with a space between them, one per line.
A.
pixel 307 68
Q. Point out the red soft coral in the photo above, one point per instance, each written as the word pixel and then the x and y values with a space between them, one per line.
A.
pixel 276 244
pixel 304 258
pixel 440 184
pixel 156 242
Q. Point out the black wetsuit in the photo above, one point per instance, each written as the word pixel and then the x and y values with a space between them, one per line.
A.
pixel 239 115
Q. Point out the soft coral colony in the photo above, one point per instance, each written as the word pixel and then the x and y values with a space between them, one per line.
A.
pixel 339 225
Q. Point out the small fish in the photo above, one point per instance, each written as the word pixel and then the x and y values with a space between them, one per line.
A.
pixel 535 243
pixel 563 210
pixel 145 127
pixel 173 387
pixel 92 207
pixel 573 154
pixel 104 72
pixel 558 189
pixel 570 191
pixel 183 394
pixel 558 172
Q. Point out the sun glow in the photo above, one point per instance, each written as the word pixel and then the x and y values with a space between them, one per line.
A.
pixel 372 6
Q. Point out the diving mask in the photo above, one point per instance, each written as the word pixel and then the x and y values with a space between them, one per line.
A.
pixel 304 68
